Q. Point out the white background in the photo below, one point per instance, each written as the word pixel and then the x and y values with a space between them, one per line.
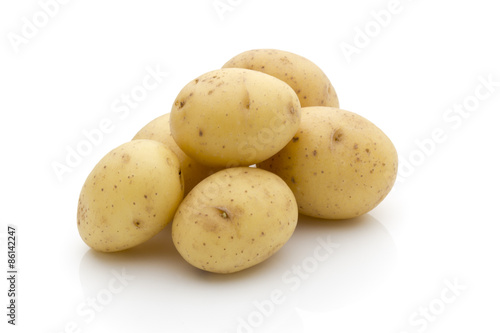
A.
pixel 438 227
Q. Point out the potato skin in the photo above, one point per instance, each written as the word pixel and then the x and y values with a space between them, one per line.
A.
pixel 234 117
pixel 130 195
pixel 234 219
pixel 308 81
pixel 339 165
pixel 159 130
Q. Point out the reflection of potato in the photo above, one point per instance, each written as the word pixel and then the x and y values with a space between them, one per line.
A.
pixel 159 129
pixel 234 219
pixel 352 257
pixel 307 80
pixel 339 165
pixel 130 196
pixel 234 116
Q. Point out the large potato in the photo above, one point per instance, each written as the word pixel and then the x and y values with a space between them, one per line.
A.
pixel 234 219
pixel 130 196
pixel 339 165
pixel 308 80
pixel 159 130
pixel 234 117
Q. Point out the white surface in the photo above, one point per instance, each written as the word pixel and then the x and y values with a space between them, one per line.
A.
pixel 439 225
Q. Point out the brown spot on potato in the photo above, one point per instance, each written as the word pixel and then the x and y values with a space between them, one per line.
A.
pixel 337 135
pixel 125 158
pixel 285 60
pixel 209 225
pixel 295 139
pixel 137 223
pixel 200 133
pixel 180 104
pixel 245 101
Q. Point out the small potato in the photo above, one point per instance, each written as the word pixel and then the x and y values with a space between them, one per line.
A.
pixel 308 80
pixel 339 165
pixel 130 196
pixel 234 219
pixel 234 117
pixel 159 130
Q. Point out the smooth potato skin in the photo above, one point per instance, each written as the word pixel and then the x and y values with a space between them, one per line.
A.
pixel 234 117
pixel 308 81
pixel 339 165
pixel 234 219
pixel 159 130
pixel 130 196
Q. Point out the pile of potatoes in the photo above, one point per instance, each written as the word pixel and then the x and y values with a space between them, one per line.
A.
pixel 244 150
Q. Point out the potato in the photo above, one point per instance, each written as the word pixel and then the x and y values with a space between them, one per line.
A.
pixel 234 117
pixel 130 196
pixel 234 219
pixel 339 165
pixel 308 80
pixel 159 130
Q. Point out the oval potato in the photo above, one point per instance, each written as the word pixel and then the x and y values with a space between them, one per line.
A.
pixel 339 165
pixel 234 117
pixel 308 81
pixel 130 196
pixel 234 219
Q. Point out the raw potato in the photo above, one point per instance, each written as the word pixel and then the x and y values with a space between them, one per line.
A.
pixel 234 117
pixel 308 80
pixel 159 130
pixel 130 196
pixel 234 219
pixel 339 165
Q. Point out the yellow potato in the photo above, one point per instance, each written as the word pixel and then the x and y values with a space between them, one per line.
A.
pixel 339 165
pixel 159 130
pixel 307 80
pixel 130 196
pixel 234 219
pixel 234 117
